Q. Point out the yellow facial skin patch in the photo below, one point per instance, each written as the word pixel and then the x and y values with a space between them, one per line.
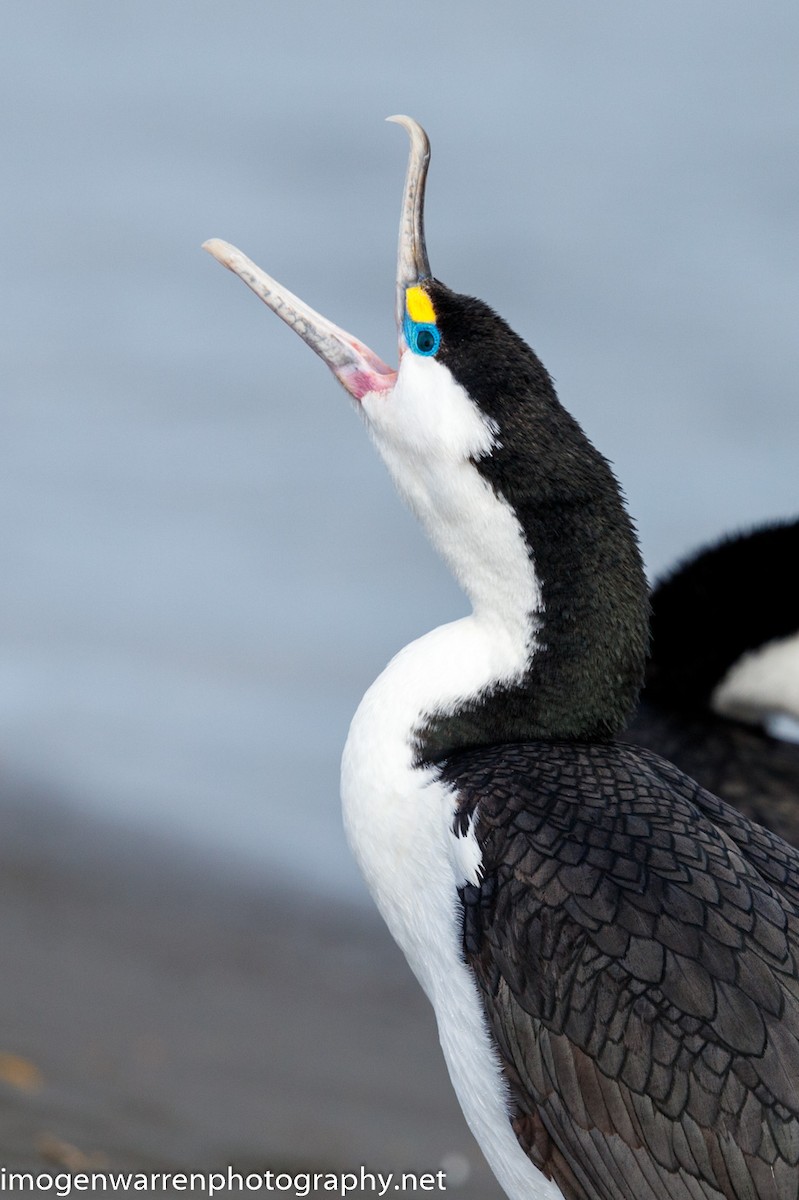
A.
pixel 419 306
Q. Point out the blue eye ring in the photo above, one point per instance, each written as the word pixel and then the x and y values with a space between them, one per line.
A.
pixel 422 338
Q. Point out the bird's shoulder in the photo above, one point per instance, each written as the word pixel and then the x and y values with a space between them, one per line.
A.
pixel 755 772
pixel 612 808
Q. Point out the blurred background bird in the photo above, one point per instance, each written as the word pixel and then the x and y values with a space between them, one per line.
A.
pixel 721 697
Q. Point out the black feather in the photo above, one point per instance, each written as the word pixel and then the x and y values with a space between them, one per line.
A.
pixel 636 944
pixel 583 681
pixel 728 599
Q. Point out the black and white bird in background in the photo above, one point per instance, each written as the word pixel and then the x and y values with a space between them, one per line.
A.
pixel 721 693
pixel 612 952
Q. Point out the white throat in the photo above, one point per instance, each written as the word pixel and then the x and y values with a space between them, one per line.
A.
pixel 430 433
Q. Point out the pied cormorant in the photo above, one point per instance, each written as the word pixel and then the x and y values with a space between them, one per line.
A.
pixel 721 692
pixel 611 952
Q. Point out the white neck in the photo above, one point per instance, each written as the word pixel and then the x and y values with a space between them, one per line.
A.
pixel 398 816
pixel 429 433
pixel 430 450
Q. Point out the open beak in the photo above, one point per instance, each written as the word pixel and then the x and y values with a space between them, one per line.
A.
pixel 357 367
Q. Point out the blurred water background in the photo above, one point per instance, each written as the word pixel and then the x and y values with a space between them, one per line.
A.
pixel 202 562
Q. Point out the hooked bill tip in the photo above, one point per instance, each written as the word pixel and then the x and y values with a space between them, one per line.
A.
pixel 414 129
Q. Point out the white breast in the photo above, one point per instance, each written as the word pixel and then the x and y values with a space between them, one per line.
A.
pixel 399 821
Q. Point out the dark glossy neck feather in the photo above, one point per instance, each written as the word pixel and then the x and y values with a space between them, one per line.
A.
pixel 583 680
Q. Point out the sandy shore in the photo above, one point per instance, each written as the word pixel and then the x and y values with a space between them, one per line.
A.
pixel 156 1015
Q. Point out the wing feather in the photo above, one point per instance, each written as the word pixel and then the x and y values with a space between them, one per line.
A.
pixel 636 944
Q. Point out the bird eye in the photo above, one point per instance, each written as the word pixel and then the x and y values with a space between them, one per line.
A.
pixel 424 339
